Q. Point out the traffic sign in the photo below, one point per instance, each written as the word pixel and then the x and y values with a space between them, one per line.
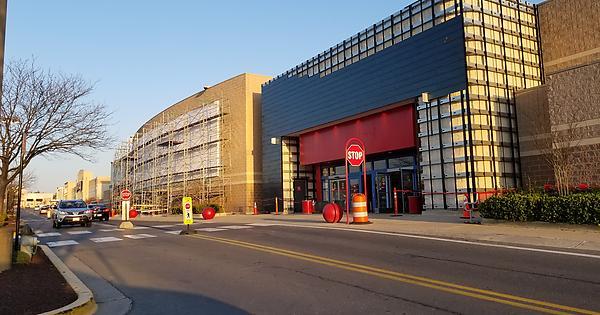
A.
pixel 188 215
pixel 125 194
pixel 355 155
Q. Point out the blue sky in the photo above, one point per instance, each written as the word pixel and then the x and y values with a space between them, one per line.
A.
pixel 146 55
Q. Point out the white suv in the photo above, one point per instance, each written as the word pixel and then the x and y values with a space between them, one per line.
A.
pixel 71 212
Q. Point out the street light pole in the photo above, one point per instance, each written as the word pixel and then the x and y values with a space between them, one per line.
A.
pixel 19 195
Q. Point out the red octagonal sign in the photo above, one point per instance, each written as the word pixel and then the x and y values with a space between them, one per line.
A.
pixel 355 155
pixel 125 194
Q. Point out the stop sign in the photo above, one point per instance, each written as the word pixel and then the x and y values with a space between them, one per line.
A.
pixel 355 155
pixel 125 194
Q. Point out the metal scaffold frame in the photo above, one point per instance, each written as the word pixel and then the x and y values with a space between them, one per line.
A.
pixel 183 152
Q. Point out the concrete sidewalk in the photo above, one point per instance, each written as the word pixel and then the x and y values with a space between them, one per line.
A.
pixel 438 223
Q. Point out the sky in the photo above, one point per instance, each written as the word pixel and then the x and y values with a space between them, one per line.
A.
pixel 146 55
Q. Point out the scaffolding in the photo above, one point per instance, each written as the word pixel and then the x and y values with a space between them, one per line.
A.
pixel 185 151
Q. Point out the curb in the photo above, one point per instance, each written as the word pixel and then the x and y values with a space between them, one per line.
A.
pixel 85 303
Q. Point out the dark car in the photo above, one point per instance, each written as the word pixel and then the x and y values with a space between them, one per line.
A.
pixel 71 212
pixel 99 211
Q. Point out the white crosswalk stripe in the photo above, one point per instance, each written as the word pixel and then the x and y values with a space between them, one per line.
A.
pixel 47 234
pixel 110 230
pixel 79 232
pixel 105 239
pixel 61 243
pixel 173 232
pixel 235 227
pixel 139 236
pixel 260 224
pixel 140 227
pixel 163 226
pixel 210 230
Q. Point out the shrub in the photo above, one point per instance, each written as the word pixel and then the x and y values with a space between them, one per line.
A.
pixel 577 208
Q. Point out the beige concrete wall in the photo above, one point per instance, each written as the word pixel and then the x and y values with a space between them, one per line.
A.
pixel 241 96
pixel 570 100
pixel 570 33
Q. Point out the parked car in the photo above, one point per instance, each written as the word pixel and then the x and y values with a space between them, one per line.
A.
pixel 44 209
pixel 99 211
pixel 71 212
pixel 37 208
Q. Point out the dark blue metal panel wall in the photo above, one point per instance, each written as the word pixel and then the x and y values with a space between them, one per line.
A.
pixel 432 61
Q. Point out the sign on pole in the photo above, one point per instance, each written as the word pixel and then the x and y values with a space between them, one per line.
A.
pixel 188 215
pixel 125 194
pixel 355 155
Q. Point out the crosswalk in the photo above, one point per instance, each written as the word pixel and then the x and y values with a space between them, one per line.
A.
pixel 149 232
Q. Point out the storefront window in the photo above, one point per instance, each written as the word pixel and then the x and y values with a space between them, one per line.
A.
pixel 338 170
pixel 379 165
pixel 401 162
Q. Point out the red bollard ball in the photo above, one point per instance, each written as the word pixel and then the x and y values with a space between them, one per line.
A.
pixel 208 213
pixel 339 213
pixel 133 213
pixel 332 213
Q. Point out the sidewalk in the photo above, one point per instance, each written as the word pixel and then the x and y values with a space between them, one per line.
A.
pixel 439 223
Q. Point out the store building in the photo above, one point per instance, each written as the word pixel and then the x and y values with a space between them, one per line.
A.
pixel 86 187
pixel 206 146
pixel 559 121
pixel 467 57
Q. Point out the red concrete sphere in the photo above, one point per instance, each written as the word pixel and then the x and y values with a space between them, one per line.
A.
pixel 332 213
pixel 133 213
pixel 208 213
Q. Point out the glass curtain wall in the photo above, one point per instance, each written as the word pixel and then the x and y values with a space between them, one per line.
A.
pixel 469 138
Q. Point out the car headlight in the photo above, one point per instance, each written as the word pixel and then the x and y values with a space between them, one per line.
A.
pixel 63 212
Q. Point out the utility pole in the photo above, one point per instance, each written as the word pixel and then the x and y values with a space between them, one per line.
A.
pixel 19 195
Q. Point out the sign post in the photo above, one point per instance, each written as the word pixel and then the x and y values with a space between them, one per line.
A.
pixel 188 214
pixel 355 156
pixel 125 207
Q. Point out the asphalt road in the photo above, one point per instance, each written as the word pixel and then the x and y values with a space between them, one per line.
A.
pixel 231 269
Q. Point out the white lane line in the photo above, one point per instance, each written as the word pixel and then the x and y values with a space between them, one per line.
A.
pixel 110 230
pixel 138 236
pixel 163 226
pixel 79 232
pixel 260 224
pixel 449 240
pixel 210 230
pixel 105 239
pixel 235 227
pixel 47 234
pixel 173 232
pixel 61 243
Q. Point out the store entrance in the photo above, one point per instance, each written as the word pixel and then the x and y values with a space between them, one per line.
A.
pixel 383 176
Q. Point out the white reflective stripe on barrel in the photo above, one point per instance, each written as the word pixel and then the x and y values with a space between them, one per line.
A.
pixel 359 214
pixel 359 204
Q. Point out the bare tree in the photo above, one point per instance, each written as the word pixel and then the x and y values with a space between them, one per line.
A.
pixel 51 113
pixel 559 131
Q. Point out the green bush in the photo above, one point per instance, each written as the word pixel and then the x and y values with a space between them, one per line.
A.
pixel 577 208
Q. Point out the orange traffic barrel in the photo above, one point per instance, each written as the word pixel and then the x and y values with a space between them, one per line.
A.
pixel 359 209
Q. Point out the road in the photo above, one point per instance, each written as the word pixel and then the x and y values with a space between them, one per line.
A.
pixel 261 269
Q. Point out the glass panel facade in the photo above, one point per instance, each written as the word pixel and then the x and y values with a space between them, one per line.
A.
pixel 467 138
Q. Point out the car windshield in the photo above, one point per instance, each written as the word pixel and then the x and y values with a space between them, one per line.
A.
pixel 72 204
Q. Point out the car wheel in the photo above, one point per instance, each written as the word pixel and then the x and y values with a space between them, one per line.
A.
pixel 58 225
pixel 89 224
pixel 106 218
